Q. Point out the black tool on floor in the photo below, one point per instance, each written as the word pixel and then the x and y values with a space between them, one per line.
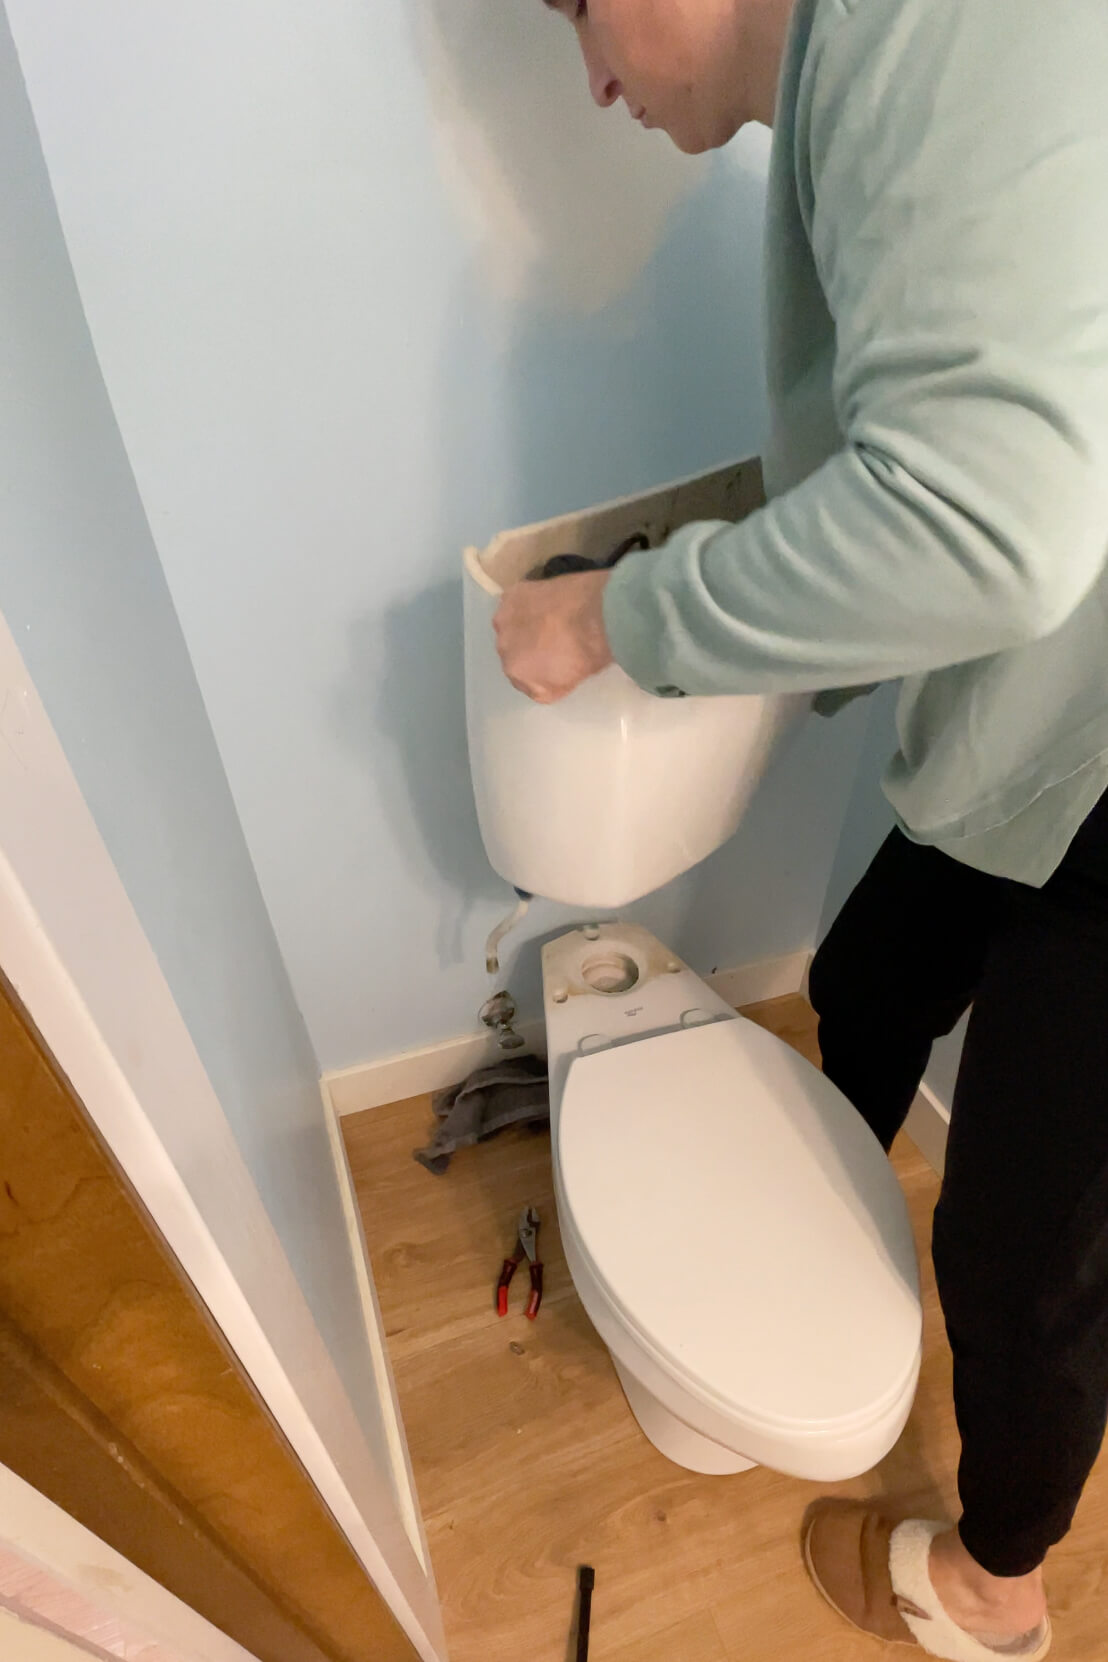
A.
pixel 586 1581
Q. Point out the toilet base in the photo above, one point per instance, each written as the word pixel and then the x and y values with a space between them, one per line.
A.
pixel 673 1438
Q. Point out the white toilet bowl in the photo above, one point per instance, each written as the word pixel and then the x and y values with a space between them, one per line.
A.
pixel 735 1232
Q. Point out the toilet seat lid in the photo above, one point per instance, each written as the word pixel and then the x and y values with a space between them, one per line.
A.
pixel 745 1223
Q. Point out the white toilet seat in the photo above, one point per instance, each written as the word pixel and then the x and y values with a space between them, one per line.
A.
pixel 727 1209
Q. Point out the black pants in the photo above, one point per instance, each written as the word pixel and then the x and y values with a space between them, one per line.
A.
pixel 1021 1228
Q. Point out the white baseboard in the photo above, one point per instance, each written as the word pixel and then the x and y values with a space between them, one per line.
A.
pixel 415 1072
pixel 434 1067
pixel 402 1472
pixel 928 1125
pixel 772 978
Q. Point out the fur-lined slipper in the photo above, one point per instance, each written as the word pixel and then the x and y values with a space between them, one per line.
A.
pixel 876 1574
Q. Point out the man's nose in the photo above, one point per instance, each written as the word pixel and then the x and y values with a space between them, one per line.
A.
pixel 604 86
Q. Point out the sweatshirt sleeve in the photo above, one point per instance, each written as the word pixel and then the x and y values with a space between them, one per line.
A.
pixel 954 158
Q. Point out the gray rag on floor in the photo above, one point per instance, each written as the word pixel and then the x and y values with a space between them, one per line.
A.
pixel 509 1093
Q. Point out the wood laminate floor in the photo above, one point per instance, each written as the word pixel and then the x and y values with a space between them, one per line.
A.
pixel 528 1461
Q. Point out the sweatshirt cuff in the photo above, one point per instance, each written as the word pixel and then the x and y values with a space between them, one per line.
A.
pixel 631 623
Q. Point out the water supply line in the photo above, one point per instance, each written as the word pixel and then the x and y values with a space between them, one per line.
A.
pixel 492 945
pixel 499 1012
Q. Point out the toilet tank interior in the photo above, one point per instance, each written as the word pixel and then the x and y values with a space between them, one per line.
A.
pixel 729 493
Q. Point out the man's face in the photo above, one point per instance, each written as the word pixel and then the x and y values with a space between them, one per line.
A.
pixel 674 63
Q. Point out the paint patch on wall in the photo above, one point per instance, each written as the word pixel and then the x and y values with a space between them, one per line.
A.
pixel 566 203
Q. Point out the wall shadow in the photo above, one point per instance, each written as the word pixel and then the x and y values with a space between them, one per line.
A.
pixel 564 203
pixel 603 335
pixel 403 683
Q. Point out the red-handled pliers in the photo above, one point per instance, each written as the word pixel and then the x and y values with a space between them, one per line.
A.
pixel 527 1246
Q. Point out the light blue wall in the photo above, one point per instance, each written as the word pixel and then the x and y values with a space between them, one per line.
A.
pixel 83 593
pixel 368 283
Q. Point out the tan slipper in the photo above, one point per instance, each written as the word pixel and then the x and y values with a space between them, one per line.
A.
pixel 875 1574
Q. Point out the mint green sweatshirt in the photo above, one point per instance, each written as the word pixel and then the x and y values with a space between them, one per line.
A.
pixel 937 347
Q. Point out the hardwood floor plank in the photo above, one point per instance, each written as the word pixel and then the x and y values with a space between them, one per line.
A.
pixel 695 1640
pixel 437 1243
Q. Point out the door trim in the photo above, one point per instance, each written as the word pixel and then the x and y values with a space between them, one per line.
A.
pixel 121 1401
pixel 112 1025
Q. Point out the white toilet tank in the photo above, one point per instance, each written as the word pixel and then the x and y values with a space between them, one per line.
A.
pixel 601 798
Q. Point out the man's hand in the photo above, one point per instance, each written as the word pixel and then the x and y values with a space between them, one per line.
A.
pixel 550 635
